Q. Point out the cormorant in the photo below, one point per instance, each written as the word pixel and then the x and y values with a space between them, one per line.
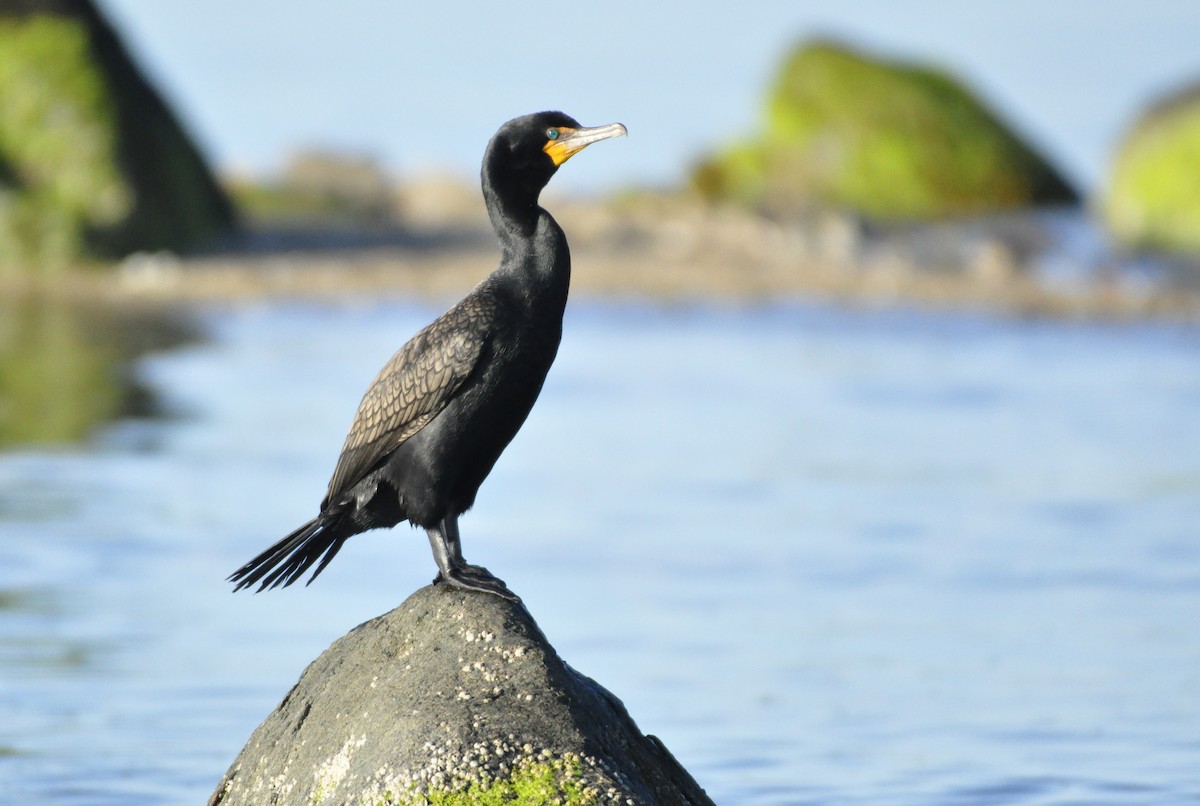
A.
pixel 437 416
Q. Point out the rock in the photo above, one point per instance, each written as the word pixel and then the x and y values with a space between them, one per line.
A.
pixel 1153 195
pixel 993 263
pixel 839 238
pixel 92 161
pixel 320 189
pixel 354 179
pixel 453 697
pixel 884 139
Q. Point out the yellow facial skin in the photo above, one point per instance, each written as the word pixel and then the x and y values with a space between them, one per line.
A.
pixel 571 141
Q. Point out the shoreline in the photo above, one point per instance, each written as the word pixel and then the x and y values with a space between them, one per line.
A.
pixel 644 249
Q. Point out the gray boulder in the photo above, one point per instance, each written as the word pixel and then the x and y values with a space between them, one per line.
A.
pixel 453 697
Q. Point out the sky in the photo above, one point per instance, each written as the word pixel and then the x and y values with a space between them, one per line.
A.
pixel 422 86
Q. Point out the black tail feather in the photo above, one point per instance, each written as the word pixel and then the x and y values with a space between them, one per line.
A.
pixel 286 561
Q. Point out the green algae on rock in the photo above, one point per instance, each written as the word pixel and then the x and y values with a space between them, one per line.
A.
pixel 1153 196
pixel 92 162
pixel 530 783
pixel 57 138
pixel 884 139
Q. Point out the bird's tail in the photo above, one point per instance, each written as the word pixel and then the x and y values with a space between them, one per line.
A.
pixel 285 562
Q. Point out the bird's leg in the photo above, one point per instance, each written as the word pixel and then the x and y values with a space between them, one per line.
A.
pixel 454 543
pixel 447 553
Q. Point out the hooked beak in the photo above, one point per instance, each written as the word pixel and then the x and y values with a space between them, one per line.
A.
pixel 572 141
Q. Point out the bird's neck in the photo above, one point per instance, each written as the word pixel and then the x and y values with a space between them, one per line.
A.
pixel 539 263
pixel 533 246
pixel 511 205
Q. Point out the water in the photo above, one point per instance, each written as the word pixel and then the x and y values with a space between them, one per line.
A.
pixel 827 556
pixel 64 364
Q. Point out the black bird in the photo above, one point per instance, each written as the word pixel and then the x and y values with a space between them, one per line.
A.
pixel 437 416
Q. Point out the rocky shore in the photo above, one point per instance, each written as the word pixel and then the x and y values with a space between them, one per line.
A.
pixel 673 247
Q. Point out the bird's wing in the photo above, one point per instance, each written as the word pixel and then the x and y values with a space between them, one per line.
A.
pixel 412 388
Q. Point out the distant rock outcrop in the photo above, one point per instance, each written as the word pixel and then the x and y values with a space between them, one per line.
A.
pixel 1153 196
pixel 886 140
pixel 452 698
pixel 92 161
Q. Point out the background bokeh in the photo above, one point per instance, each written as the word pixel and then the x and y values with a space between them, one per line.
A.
pixel 422 86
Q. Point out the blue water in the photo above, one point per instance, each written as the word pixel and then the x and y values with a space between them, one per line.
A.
pixel 828 556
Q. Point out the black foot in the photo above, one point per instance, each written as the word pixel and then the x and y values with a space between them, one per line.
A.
pixel 477 578
pixel 471 572
pixel 479 572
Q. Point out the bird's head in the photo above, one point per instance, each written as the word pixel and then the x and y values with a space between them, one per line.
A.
pixel 526 151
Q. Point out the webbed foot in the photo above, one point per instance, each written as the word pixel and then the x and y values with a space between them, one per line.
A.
pixel 477 578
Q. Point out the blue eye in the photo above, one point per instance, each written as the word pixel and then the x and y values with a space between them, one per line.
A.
pixel 551 134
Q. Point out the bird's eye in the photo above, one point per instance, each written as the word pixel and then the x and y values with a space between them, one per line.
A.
pixel 551 134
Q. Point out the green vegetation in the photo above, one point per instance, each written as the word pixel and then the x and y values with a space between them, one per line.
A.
pixel 92 163
pixel 888 140
pixel 532 783
pixel 57 141
pixel 1153 198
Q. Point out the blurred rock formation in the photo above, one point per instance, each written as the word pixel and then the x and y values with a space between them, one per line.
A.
pixel 92 160
pixel 887 140
pixel 1152 201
